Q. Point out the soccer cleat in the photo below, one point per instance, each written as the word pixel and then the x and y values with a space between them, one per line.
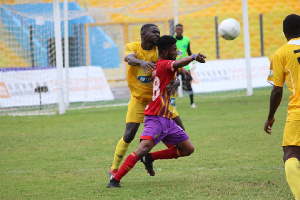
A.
pixel 112 173
pixel 148 162
pixel 113 183
pixel 193 105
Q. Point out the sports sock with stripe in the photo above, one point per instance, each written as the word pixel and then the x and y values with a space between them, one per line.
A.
pixel 169 153
pixel 120 152
pixel 128 164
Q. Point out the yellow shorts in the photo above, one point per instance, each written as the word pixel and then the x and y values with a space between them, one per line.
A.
pixel 291 134
pixel 136 108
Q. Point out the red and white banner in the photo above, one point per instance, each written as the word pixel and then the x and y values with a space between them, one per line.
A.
pixel 222 75
pixel 17 86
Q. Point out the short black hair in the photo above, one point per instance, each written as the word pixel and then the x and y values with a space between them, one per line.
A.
pixel 146 27
pixel 165 42
pixel 291 25
pixel 179 25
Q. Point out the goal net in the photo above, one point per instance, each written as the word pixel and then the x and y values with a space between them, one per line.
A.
pixel 32 81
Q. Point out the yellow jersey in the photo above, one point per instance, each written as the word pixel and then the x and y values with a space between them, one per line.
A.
pixel 285 68
pixel 140 83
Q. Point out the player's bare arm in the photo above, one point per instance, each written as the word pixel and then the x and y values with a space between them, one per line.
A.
pixel 174 84
pixel 146 65
pixel 185 72
pixel 186 60
pixel 275 99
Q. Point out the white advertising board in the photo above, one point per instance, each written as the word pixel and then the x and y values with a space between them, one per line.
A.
pixel 222 75
pixel 17 87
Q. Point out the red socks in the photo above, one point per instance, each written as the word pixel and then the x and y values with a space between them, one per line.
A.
pixel 129 163
pixel 132 159
pixel 169 153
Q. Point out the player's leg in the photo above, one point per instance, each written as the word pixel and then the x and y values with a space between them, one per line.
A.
pixel 144 148
pixel 179 143
pixel 134 117
pixel 291 149
pixel 177 136
pixel 122 146
pixel 181 149
pixel 292 168
pixel 186 147
pixel 175 116
pixel 178 121
pixel 190 90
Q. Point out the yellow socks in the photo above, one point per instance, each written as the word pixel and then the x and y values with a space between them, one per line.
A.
pixel 120 152
pixel 292 172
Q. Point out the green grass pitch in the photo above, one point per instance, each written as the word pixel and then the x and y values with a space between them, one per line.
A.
pixel 68 156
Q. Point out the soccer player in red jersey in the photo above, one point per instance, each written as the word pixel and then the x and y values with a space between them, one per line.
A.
pixel 158 123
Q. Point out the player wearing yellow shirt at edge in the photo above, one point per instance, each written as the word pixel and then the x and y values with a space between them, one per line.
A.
pixel 141 57
pixel 285 67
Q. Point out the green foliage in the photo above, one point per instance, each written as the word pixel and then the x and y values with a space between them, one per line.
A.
pixel 68 156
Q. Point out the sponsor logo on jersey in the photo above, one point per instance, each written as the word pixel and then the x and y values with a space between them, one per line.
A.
pixel 172 101
pixel 179 53
pixel 145 79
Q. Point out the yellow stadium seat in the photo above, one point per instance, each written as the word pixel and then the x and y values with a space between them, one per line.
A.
pixel 9 59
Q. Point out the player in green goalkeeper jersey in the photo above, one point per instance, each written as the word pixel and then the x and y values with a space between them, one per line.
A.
pixel 184 50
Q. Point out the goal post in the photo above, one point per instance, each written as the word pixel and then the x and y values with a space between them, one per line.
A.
pixel 59 57
pixel 247 47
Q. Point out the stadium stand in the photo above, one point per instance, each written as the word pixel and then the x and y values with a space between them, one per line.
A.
pixel 202 30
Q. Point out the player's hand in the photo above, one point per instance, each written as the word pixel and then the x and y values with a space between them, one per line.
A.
pixel 268 125
pixel 185 72
pixel 200 57
pixel 147 66
pixel 174 84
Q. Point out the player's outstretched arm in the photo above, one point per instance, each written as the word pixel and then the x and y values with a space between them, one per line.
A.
pixel 133 61
pixel 186 60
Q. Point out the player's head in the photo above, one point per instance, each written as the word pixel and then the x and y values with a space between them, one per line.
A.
pixel 167 48
pixel 150 33
pixel 291 26
pixel 179 30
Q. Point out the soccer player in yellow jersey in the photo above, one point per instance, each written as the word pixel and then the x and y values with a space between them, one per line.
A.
pixel 285 68
pixel 141 57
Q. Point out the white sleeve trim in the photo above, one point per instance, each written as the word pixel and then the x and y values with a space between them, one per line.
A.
pixel 295 42
pixel 271 82
pixel 172 68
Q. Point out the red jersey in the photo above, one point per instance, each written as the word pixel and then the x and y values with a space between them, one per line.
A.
pixel 162 75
